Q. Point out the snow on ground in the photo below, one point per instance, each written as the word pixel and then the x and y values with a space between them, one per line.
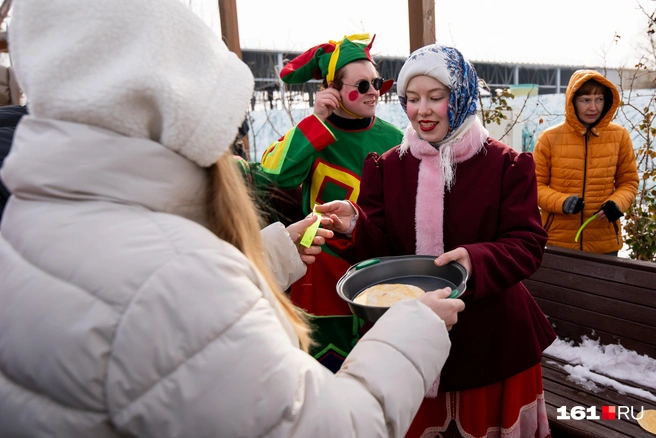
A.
pixel 592 363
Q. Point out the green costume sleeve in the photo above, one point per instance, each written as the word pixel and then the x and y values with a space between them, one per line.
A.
pixel 288 161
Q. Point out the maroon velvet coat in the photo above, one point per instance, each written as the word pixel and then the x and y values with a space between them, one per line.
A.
pixel 491 211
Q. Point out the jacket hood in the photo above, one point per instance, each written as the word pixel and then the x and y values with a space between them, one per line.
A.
pixel 579 78
pixel 147 69
pixel 51 159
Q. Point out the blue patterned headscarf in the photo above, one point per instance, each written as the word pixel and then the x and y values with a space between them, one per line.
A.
pixel 448 66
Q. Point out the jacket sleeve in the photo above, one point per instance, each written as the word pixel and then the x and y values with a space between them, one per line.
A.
pixel 203 351
pixel 369 237
pixel 626 175
pixel 549 200
pixel 282 255
pixel 516 252
pixel 288 161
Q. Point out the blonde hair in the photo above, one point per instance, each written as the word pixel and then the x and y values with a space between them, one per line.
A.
pixel 234 218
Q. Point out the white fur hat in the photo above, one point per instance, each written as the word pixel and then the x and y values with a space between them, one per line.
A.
pixel 142 68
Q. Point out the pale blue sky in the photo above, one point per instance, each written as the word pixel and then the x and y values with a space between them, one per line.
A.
pixel 555 31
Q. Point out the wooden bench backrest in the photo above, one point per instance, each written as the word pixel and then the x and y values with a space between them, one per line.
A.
pixel 609 298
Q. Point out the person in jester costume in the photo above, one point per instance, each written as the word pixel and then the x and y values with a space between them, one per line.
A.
pixel 324 154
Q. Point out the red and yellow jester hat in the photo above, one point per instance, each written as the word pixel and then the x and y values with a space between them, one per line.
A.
pixel 324 60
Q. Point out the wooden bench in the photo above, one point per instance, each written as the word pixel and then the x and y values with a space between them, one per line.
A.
pixel 606 298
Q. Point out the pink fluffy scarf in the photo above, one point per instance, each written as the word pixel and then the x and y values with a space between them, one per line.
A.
pixel 437 171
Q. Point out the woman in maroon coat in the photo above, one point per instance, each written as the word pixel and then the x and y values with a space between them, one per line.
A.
pixel 451 191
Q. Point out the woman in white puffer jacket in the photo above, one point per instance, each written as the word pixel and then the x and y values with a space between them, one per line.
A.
pixel 135 298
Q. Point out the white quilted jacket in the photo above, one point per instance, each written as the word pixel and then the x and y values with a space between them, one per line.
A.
pixel 120 315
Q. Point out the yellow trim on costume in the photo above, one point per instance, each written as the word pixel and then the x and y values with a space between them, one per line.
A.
pixel 272 160
pixel 341 105
pixel 322 171
pixel 335 55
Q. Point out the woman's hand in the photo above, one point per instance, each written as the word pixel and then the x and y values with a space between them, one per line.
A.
pixel 296 231
pixel 337 215
pixel 459 255
pixel 446 308
pixel 325 102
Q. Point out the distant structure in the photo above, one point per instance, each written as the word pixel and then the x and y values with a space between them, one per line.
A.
pixel 544 78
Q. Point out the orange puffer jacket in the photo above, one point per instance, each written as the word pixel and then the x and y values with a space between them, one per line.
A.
pixel 597 164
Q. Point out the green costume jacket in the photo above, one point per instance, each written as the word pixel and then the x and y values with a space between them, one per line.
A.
pixel 326 160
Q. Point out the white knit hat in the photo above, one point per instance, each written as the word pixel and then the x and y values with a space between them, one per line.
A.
pixel 142 68
pixel 425 61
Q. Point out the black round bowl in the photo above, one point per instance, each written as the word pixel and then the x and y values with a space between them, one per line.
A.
pixel 416 270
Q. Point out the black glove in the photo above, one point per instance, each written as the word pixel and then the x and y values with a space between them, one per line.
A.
pixel 573 205
pixel 612 211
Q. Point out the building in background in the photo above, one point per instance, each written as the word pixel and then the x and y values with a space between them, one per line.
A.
pixel 541 78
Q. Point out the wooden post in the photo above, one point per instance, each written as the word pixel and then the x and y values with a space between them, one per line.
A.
pixel 421 17
pixel 230 35
pixel 230 25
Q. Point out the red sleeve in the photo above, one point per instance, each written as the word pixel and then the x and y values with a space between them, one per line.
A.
pixel 316 132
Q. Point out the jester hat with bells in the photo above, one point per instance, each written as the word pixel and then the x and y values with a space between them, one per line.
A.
pixel 324 60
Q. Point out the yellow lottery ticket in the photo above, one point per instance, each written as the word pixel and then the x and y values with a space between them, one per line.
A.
pixel 311 231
